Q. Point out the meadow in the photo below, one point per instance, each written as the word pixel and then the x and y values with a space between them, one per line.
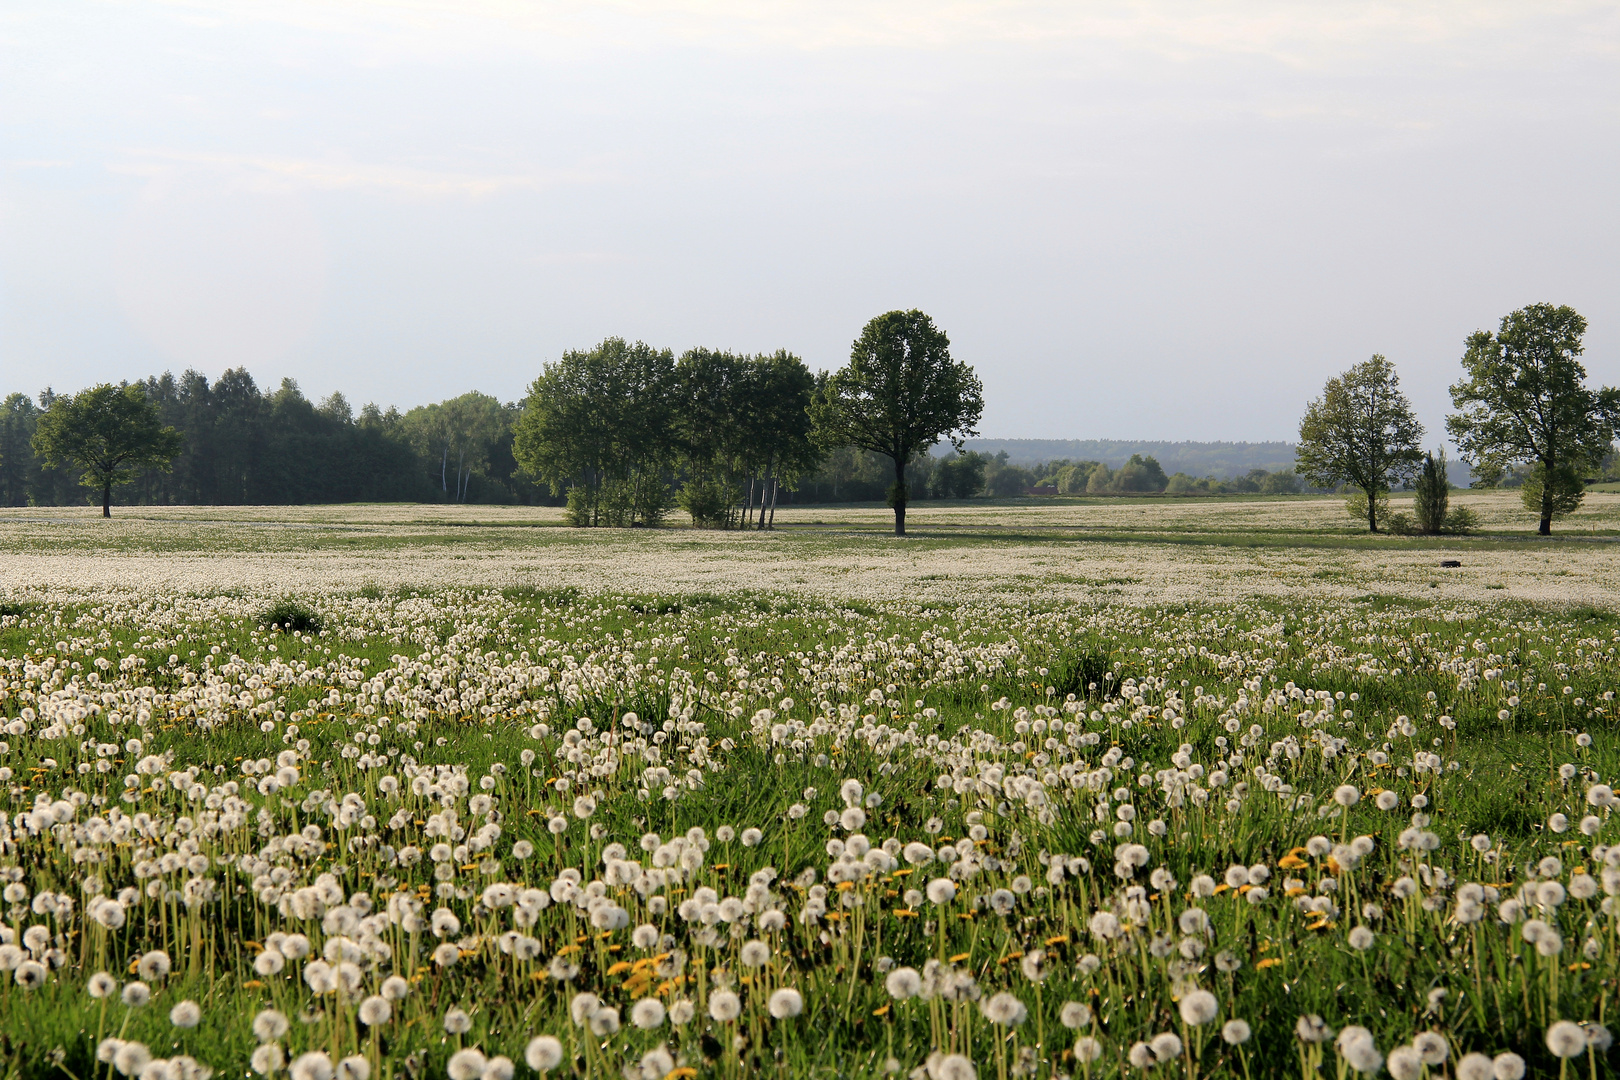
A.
pixel 1084 788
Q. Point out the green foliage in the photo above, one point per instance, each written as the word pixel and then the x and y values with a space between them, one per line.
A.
pixel 959 475
pixel 739 417
pixel 112 433
pixel 291 616
pixel 460 438
pixel 1006 481
pixel 1356 507
pixel 710 501
pixel 1100 481
pixel 1220 459
pixel 1281 482
pixel 1140 474
pixel 1361 431
pixel 1524 400
pixel 598 424
pixel 1433 494
pixel 900 394
pixel 1461 520
pixel 1554 494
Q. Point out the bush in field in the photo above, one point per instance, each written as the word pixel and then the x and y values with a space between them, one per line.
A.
pixel 1461 520
pixel 292 617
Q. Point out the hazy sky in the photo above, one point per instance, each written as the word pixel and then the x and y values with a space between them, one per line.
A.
pixel 1154 220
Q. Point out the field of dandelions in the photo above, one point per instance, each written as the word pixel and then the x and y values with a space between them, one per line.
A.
pixel 1034 825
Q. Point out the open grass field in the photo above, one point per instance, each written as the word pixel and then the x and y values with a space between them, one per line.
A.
pixel 1056 788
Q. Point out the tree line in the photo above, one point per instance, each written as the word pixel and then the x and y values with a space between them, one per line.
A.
pixel 624 433
pixel 1522 406
pixel 236 444
pixel 620 434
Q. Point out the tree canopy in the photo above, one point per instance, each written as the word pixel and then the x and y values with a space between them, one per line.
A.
pixel 597 424
pixel 110 432
pixel 1361 431
pixel 899 394
pixel 1524 400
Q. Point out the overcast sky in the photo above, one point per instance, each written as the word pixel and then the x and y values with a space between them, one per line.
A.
pixel 1153 220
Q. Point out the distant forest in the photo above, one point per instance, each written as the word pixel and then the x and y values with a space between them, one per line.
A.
pixel 1220 460
pixel 248 445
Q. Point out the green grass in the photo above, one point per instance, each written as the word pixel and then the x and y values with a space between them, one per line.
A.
pixel 1505 785
pixel 449 684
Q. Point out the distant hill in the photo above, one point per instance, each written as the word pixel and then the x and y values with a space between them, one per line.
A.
pixel 1218 459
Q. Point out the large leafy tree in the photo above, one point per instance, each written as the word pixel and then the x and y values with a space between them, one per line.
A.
pixel 1524 400
pixel 900 394
pixel 1362 432
pixel 598 424
pixel 782 445
pixel 113 433
pixel 713 389
pixel 18 466
pixel 458 437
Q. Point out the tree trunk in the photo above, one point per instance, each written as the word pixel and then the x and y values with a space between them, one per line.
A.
pixel 444 470
pixel 106 499
pixel 1372 510
pixel 899 497
pixel 776 485
pixel 748 512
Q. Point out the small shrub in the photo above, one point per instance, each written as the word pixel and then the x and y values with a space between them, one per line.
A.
pixel 291 617
pixel 1400 523
pixel 709 502
pixel 1461 520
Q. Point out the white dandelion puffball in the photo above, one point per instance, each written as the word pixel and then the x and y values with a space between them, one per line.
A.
pixel 311 1066
pixel 724 1006
pixel 467 1064
pixel 136 994
pixel 647 1014
pixel 270 1025
pixel 153 966
pixel 1404 1063
pixel 785 1003
pixel 902 983
pixel 1004 1009
pixel 267 1059
pixel 354 1067
pixel 131 1058
pixel 941 891
pixel 1075 1015
pixel 1565 1039
pixel 544 1053
pixel 1508 1066
pixel 1198 1007
pixel 1431 1047
pixel 375 1010
pixel 1087 1049
pixel 187 1014
pixel 1166 1046
pixel 1236 1032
